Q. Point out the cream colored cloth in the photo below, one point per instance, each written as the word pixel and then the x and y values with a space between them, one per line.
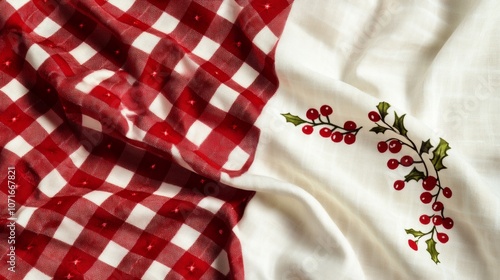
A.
pixel 326 210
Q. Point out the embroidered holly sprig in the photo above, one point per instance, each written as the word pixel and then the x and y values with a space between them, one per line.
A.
pixel 321 118
pixel 425 169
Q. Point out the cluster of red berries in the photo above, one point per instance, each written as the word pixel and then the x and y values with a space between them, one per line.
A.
pixel 336 133
pixel 394 147
pixel 429 183
pixel 438 219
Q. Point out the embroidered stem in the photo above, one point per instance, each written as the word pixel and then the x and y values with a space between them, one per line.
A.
pixel 315 118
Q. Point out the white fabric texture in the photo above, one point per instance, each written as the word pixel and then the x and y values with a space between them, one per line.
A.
pixel 327 210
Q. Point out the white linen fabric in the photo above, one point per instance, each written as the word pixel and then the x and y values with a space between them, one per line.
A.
pixel 326 210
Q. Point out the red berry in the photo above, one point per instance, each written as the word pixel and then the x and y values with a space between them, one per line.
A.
pixel 374 116
pixel 307 129
pixel 349 125
pixel 325 132
pixel 312 114
pixel 437 206
pixel 382 146
pixel 413 244
pixel 429 183
pixel 406 161
pixel 448 223
pixel 399 185
pixel 337 137
pixel 349 139
pixel 443 237
pixel 326 110
pixel 424 219
pixel 395 146
pixel 437 220
pixel 447 192
pixel 392 163
pixel 426 197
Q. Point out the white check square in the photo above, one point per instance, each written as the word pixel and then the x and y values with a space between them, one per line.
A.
pixel 91 123
pixel 83 53
pixel 140 216
pixel 186 67
pixel 229 10
pixel 47 28
pixel 206 48
pixel 185 237
pixel 24 215
pixel 160 106
pixel 52 183
pixel 221 263
pixel 14 90
pixel 198 132
pixel 18 146
pixel 123 5
pixel 224 97
pixel 156 271
pixel 97 197
pixel 211 204
pixel 166 23
pixel 36 56
pixel 167 190
pixel 94 79
pixel 245 76
pixel 146 42
pixel 79 156
pixel 120 176
pixel 50 121
pixel 68 231
pixel 237 158
pixel 265 40
pixel 135 133
pixel 36 274
pixel 113 254
pixel 17 4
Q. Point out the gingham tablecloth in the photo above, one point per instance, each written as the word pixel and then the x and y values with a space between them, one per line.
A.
pixel 118 117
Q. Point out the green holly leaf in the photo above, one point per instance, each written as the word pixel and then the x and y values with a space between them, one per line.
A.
pixel 379 129
pixel 415 233
pixel 293 119
pixel 382 109
pixel 439 154
pixel 425 147
pixel 415 174
pixel 399 124
pixel 431 248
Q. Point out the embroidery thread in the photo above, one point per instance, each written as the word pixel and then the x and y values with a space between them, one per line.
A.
pixel 429 175
pixel 321 118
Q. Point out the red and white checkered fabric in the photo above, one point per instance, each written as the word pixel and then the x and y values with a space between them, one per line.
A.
pixel 191 76
pixel 100 101
pixel 119 212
